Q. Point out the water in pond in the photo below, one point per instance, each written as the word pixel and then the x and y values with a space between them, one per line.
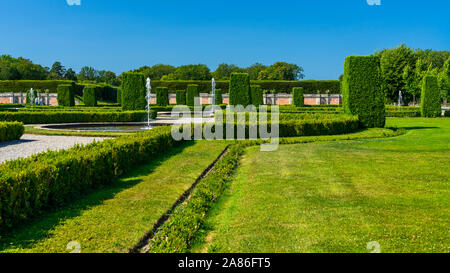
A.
pixel 113 128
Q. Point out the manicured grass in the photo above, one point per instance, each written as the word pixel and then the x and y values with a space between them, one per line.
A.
pixel 114 219
pixel 339 196
pixel 30 129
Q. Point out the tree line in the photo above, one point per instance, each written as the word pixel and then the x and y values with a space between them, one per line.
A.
pixel 24 69
pixel 257 71
pixel 403 69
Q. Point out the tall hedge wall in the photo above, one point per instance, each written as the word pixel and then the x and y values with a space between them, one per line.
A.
pixel 119 96
pixel 104 92
pixel 219 97
pixel 192 95
pixel 90 96
pixel 23 86
pixel 133 91
pixel 257 95
pixel 309 86
pixel 66 95
pixel 240 91
pixel 430 102
pixel 362 90
pixel 162 96
pixel 298 99
pixel 181 97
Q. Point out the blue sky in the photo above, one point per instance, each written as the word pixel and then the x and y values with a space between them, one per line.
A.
pixel 122 35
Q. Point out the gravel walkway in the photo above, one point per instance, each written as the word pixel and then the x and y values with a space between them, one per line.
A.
pixel 32 144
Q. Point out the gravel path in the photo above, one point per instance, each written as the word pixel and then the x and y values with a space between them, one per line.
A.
pixel 32 144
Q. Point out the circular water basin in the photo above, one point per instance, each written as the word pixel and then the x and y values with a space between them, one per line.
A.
pixel 103 127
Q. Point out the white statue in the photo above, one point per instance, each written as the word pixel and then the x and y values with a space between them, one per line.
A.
pixel 400 98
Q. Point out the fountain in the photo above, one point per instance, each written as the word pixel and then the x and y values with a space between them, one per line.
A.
pixel 31 97
pixel 147 107
pixel 213 96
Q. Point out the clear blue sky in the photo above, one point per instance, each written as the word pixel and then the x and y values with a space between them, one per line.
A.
pixel 122 35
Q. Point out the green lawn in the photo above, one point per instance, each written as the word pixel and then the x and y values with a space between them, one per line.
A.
pixel 339 196
pixel 115 218
pixel 30 129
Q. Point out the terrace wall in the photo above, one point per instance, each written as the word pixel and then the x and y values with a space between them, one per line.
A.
pixel 279 99
pixel 49 98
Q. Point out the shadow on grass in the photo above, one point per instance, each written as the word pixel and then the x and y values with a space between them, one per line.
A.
pixel 419 128
pixel 30 233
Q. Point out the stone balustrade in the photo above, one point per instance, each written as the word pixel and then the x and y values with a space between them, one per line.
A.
pixel 279 99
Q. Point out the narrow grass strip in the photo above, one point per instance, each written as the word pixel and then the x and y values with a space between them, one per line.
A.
pixel 30 129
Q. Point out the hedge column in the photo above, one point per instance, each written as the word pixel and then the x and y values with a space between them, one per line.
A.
pixel 257 95
pixel 66 95
pixel 362 90
pixel 298 98
pixel 192 95
pixel 162 96
pixel 430 102
pixel 240 92
pixel 90 96
pixel 133 91
pixel 219 97
pixel 181 97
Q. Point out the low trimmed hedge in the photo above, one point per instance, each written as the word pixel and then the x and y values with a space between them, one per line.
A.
pixel 48 180
pixel 11 131
pixel 304 124
pixel 403 114
pixel 78 108
pixel 32 117
pixel 6 106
